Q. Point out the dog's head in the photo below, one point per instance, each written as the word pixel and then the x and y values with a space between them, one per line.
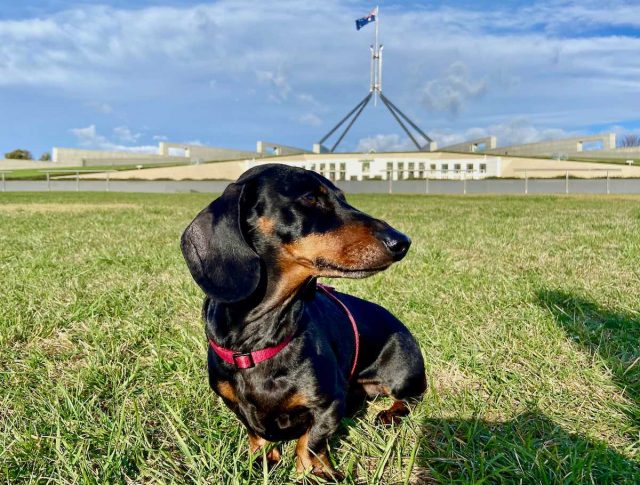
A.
pixel 291 221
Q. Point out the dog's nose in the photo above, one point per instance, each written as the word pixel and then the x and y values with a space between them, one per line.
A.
pixel 396 242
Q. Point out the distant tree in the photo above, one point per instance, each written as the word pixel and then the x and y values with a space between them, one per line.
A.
pixel 19 154
pixel 45 157
pixel 630 140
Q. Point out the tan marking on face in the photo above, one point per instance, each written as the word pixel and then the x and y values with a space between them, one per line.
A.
pixel 226 391
pixel 295 400
pixel 352 247
pixel 266 225
pixel 324 190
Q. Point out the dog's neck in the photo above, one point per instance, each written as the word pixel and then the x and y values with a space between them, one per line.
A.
pixel 264 319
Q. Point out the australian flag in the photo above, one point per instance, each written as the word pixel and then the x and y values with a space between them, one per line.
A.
pixel 370 17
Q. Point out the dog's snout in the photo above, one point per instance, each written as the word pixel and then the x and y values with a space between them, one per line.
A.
pixel 396 243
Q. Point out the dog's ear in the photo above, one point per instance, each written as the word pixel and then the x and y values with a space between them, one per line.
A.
pixel 220 260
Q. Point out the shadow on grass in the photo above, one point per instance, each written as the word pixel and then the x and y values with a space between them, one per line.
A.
pixel 532 448
pixel 528 449
pixel 613 335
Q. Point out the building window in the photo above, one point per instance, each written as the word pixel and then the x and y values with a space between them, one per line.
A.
pixel 322 167
pixel 456 167
pixel 445 167
pixel 400 165
pixel 483 168
pixel 433 166
pixel 389 165
pixel 421 165
pixel 366 166
pixel 332 166
pixel 412 165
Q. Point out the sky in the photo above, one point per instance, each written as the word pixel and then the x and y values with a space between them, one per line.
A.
pixel 122 75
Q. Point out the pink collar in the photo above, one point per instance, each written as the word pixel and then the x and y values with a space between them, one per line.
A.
pixel 250 359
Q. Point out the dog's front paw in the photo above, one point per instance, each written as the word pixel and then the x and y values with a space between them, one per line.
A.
pixel 322 475
pixel 272 458
pixel 394 414
pixel 330 475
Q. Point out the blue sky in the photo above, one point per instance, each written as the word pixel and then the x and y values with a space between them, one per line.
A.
pixel 109 75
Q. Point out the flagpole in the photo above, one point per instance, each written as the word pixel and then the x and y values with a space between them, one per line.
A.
pixel 376 52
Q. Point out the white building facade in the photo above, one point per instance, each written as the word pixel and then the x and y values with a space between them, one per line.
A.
pixel 383 166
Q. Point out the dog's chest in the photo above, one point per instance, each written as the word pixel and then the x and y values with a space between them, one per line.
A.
pixel 277 418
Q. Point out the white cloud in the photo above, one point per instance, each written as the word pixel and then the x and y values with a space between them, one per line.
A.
pixel 310 119
pixel 384 143
pixel 102 108
pixel 160 138
pixel 514 132
pixel 450 92
pixel 89 137
pixel 277 82
pixel 554 63
pixel 125 135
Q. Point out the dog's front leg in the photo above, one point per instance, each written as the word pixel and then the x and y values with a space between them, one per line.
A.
pixel 311 449
pixel 256 444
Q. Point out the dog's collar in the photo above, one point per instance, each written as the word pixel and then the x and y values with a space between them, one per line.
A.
pixel 250 359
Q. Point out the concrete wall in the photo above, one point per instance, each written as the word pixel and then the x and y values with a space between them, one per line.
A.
pixel 566 146
pixel 576 147
pixel 472 146
pixel 148 160
pixel 200 153
pixel 515 167
pixel 626 153
pixel 266 148
pixel 191 153
pixel 76 156
pixel 207 171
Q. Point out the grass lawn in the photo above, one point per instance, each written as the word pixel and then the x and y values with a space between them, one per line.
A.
pixel 527 310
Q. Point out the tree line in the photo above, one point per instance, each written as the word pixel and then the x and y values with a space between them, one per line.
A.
pixel 21 154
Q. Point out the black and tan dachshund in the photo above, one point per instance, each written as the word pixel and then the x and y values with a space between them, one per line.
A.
pixel 283 353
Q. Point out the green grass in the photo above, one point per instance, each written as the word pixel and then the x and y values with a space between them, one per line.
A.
pixel 526 309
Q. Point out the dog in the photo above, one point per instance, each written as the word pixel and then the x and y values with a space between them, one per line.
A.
pixel 290 357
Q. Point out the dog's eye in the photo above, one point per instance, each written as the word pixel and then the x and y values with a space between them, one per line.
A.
pixel 309 199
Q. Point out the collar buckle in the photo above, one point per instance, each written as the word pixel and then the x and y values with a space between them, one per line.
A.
pixel 243 361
